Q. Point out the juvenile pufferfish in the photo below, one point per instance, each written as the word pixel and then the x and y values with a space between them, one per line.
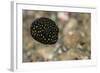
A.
pixel 44 30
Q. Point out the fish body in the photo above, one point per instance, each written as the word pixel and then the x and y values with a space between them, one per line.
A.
pixel 44 30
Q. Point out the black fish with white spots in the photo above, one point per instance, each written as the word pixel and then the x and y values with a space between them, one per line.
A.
pixel 44 30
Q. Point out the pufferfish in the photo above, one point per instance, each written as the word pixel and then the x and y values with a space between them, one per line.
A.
pixel 44 30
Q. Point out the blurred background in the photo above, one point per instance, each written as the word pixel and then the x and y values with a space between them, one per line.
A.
pixel 74 42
